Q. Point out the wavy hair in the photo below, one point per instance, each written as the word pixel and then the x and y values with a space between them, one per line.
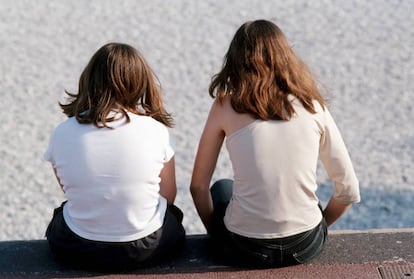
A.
pixel 260 70
pixel 117 78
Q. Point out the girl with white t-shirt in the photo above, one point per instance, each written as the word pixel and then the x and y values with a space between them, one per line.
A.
pixel 114 160
pixel 276 126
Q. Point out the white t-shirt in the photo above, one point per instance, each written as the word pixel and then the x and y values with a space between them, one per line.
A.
pixel 274 164
pixel 111 176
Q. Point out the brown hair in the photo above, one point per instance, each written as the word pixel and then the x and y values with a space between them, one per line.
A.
pixel 117 78
pixel 260 70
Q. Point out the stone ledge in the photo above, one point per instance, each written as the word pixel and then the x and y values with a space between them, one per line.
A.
pixel 32 258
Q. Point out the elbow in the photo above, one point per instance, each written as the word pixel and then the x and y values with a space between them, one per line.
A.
pixel 195 185
pixel 347 193
pixel 193 190
pixel 198 191
pixel 348 199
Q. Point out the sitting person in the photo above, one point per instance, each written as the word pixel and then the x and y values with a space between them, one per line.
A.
pixel 276 126
pixel 114 161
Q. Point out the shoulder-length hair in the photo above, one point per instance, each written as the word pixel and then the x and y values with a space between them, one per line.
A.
pixel 260 70
pixel 117 78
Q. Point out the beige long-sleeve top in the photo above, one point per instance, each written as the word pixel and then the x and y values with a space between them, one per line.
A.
pixel 274 164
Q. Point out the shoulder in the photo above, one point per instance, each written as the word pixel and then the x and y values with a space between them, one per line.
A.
pixel 220 111
pixel 223 107
pixel 67 124
pixel 228 119
pixel 318 107
pixel 147 123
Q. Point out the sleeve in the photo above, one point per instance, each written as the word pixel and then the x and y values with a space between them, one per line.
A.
pixel 48 155
pixel 169 147
pixel 335 158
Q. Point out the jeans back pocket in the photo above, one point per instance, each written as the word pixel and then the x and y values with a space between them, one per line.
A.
pixel 316 245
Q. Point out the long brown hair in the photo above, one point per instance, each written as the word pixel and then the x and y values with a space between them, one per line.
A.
pixel 260 70
pixel 117 78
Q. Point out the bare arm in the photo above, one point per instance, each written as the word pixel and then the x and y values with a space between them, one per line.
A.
pixel 334 210
pixel 205 163
pixel 168 186
pixel 58 179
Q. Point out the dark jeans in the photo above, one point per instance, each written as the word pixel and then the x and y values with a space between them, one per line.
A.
pixel 75 251
pixel 240 250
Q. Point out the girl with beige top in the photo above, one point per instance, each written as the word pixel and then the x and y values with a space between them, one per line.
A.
pixel 276 125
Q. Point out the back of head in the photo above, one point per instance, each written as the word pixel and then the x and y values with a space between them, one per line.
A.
pixel 117 78
pixel 260 70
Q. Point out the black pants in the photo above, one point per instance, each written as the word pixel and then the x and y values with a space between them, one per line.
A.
pixel 240 250
pixel 75 251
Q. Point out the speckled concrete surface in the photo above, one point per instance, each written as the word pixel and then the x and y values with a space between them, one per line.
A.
pixel 348 254
pixel 361 52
